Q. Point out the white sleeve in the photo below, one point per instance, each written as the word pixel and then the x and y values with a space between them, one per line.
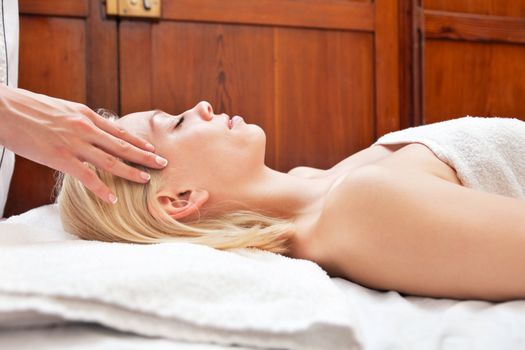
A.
pixel 8 75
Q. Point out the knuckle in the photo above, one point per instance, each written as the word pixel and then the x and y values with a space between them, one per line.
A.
pixel 81 125
pixel 62 151
pixel 88 177
pixel 124 146
pixel 83 109
pixel 149 157
pixel 110 162
pixel 121 132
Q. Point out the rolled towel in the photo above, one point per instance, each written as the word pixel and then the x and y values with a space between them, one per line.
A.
pixel 488 154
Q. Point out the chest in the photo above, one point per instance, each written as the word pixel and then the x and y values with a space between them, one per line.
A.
pixel 403 159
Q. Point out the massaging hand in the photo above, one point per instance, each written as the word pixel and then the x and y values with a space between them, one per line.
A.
pixel 63 135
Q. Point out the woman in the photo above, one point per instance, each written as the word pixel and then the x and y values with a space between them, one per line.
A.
pixel 389 217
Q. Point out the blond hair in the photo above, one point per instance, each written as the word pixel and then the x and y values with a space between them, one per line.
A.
pixel 130 219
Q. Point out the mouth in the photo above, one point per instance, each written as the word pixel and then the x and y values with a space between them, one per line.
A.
pixel 229 122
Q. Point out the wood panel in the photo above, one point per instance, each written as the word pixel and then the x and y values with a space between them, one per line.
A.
pixel 324 96
pixel 464 78
pixel 512 8
pixel 335 14
pixel 387 67
pixel 68 8
pixel 474 27
pixel 102 60
pixel 135 63
pixel 480 72
pixel 411 39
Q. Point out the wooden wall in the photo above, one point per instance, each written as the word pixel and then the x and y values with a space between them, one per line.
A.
pixel 324 78
pixel 474 58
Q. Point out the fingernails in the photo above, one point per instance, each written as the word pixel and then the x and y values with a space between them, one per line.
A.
pixel 112 198
pixel 150 147
pixel 161 161
pixel 145 175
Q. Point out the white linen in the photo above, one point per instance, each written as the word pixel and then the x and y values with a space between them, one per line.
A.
pixel 386 320
pixel 488 154
pixel 8 75
pixel 93 337
pixel 7 167
pixel 178 291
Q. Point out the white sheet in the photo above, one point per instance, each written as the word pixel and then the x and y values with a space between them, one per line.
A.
pixel 386 321
pixel 175 290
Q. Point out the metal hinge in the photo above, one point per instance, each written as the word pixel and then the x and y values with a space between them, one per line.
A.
pixel 133 8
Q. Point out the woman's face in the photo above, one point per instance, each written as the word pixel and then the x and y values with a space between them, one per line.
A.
pixel 203 149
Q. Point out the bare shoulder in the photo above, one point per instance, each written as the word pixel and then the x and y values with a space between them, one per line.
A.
pixel 414 232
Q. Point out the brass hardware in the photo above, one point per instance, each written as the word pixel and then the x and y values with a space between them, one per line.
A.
pixel 133 8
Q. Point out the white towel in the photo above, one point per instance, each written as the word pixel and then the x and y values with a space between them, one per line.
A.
pixel 488 154
pixel 179 291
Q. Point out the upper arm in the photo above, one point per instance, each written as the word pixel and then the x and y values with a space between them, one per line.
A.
pixel 417 233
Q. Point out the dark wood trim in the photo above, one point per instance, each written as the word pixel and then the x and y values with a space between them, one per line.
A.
pixel 332 14
pixel 418 50
pixel 66 8
pixel 387 67
pixel 410 63
pixel 472 27
pixel 102 81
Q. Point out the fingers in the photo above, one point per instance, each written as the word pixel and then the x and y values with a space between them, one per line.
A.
pixel 121 143
pixel 113 129
pixel 91 181
pixel 115 166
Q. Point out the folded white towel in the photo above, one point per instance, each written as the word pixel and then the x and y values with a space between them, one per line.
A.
pixel 488 154
pixel 179 291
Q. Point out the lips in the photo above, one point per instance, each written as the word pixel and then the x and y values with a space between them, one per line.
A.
pixel 230 123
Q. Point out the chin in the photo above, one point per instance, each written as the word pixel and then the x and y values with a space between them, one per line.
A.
pixel 254 144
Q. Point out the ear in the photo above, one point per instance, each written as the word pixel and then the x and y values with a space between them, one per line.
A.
pixel 182 204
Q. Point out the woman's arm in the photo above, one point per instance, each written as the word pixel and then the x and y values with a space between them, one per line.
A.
pixel 416 233
pixel 63 134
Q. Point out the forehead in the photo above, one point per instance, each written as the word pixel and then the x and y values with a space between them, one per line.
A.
pixel 139 123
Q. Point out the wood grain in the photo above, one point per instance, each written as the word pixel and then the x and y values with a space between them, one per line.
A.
pixel 474 27
pixel 464 78
pixel 511 8
pixel 410 63
pixel 334 14
pixel 135 65
pixel 387 67
pixel 67 8
pixel 102 90
pixel 324 96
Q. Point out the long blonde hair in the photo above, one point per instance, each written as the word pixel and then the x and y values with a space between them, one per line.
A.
pixel 130 219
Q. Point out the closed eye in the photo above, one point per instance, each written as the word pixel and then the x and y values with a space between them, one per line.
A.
pixel 181 119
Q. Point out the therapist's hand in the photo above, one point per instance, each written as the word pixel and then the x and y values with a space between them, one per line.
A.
pixel 62 135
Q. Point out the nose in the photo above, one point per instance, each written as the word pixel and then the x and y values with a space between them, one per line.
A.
pixel 204 110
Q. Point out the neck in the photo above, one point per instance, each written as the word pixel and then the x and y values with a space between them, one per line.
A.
pixel 277 194
pixel 282 195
